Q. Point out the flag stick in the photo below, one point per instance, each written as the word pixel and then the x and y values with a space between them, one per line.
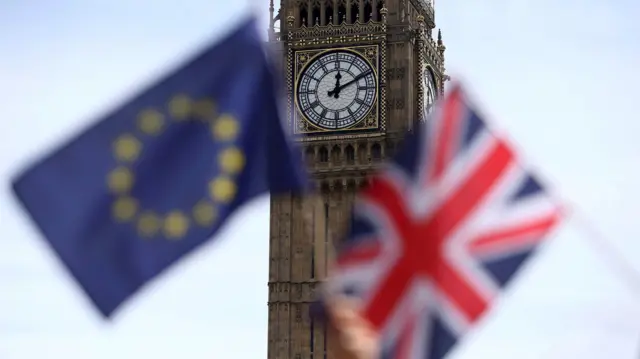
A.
pixel 608 252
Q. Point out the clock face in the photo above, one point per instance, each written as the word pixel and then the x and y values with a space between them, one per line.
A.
pixel 430 95
pixel 336 90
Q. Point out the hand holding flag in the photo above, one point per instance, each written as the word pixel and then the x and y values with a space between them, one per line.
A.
pixel 351 336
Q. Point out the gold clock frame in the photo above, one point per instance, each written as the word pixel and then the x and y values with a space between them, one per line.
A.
pixel 332 37
pixel 303 58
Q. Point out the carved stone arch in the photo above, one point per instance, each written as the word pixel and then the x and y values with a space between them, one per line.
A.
pixel 349 154
pixel 361 153
pixel 303 13
pixel 376 152
pixel 354 15
pixel 336 154
pixel 328 12
pixel 367 12
pixel 310 154
pixel 378 10
pixel 316 12
pixel 341 12
pixel 323 154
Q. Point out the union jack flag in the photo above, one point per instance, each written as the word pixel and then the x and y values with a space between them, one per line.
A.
pixel 440 231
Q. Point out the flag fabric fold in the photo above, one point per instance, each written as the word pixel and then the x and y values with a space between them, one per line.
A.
pixel 160 175
pixel 438 233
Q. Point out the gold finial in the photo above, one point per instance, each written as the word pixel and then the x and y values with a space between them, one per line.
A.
pixel 330 20
pixel 317 21
pixel 304 22
pixel 383 14
pixel 441 46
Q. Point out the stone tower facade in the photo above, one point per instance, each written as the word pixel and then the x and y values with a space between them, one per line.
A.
pixel 358 74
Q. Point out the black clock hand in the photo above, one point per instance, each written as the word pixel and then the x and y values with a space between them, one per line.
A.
pixel 337 90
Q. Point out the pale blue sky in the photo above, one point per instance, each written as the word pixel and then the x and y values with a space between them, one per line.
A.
pixel 560 77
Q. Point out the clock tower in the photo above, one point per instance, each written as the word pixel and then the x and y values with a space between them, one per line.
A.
pixel 359 74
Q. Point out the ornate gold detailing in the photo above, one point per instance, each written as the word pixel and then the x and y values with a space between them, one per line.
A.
pixel 425 9
pixel 331 34
pixel 370 53
pixel 420 44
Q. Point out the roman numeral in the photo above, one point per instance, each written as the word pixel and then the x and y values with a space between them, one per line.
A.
pixel 314 104
pixel 359 101
pixel 366 88
pixel 323 113
pixel 353 61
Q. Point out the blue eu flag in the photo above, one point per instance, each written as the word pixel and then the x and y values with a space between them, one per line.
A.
pixel 160 175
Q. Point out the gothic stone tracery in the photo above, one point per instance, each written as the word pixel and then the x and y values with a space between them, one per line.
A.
pixel 339 162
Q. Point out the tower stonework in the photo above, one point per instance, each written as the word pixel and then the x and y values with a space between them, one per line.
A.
pixel 358 75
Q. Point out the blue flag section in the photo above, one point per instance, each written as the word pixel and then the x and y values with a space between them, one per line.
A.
pixel 160 175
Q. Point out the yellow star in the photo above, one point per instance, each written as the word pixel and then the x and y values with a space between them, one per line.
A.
pixel 125 208
pixel 222 189
pixel 127 148
pixel 225 128
pixel 180 107
pixel 120 180
pixel 151 122
pixel 148 224
pixel 231 160
pixel 176 225
pixel 204 213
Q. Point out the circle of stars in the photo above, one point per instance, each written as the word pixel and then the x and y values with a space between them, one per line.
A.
pixel 221 190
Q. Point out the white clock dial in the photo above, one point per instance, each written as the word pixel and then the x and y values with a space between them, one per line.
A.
pixel 336 90
pixel 430 95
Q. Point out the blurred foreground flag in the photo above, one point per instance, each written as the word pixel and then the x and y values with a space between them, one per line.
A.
pixel 160 175
pixel 436 236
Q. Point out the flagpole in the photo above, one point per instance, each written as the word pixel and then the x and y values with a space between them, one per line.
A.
pixel 610 255
pixel 616 260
